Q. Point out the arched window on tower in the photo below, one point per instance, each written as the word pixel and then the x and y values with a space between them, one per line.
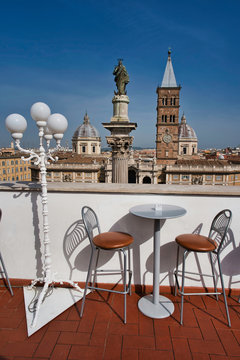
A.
pixel 164 118
pixel 164 101
pixel 173 101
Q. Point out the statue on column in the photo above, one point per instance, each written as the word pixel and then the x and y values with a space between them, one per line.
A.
pixel 121 78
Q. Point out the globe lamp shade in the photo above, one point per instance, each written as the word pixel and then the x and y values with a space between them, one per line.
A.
pixel 40 113
pixel 57 124
pixel 16 125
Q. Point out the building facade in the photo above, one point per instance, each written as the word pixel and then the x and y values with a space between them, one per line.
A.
pixel 12 167
pixel 203 172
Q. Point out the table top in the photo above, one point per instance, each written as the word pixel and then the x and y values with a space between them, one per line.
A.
pixel 158 211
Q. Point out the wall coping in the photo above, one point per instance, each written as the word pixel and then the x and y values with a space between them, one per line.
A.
pixel 162 189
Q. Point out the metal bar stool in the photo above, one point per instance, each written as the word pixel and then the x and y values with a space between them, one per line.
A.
pixel 3 269
pixel 210 245
pixel 108 241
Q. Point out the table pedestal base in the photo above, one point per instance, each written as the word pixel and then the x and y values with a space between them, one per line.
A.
pixel 162 309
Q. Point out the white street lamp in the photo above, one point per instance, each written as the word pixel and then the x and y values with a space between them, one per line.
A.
pixel 16 124
pixel 49 126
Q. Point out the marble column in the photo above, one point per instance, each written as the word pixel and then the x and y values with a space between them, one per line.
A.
pixel 120 155
pixel 120 140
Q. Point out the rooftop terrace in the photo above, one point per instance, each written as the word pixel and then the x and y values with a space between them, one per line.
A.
pixel 100 334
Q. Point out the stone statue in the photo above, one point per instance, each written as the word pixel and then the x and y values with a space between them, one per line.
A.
pixel 121 78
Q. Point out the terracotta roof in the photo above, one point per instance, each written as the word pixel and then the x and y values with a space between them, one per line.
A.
pixel 200 162
pixel 72 158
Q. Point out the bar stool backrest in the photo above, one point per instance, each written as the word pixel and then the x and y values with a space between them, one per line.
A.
pixel 219 228
pixel 91 223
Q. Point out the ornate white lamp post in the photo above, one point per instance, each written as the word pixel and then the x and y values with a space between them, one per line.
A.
pixel 49 126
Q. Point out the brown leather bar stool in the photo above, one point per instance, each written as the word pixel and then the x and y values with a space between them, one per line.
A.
pixel 108 241
pixel 211 244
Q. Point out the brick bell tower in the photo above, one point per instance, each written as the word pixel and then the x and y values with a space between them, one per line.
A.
pixel 167 117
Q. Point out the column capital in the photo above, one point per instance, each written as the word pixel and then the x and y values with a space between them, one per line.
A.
pixel 120 145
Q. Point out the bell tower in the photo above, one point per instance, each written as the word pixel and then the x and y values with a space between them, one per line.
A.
pixel 167 116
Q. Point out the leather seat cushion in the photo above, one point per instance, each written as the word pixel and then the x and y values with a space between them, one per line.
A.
pixel 112 240
pixel 195 242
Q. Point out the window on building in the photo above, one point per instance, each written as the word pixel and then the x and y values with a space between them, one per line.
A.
pixel 185 177
pixel 8 163
pixel 172 118
pixel 12 162
pixel 208 177
pixel 16 162
pixel 173 101
pixel 3 163
pixel 219 177
pixel 175 177
pixel 146 180
pixel 13 178
pixel 184 150
pixel 4 171
pixel 164 101
pixel 83 148
pixel 93 149
pixel 164 118
pixel 166 153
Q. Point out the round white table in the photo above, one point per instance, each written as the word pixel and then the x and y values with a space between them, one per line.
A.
pixel 157 306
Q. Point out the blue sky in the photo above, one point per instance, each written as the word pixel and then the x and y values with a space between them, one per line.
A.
pixel 63 52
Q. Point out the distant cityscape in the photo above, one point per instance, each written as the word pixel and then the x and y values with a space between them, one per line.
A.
pixel 175 159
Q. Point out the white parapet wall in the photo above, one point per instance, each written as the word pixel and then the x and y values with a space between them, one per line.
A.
pixel 21 228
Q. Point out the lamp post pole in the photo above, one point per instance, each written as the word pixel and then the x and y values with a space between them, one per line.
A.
pixel 49 126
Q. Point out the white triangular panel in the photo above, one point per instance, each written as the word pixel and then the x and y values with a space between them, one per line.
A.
pixel 56 301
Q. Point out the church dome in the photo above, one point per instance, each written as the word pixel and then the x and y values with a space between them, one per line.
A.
pixel 186 131
pixel 86 130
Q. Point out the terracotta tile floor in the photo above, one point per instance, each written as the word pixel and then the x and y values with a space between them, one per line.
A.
pixel 100 334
